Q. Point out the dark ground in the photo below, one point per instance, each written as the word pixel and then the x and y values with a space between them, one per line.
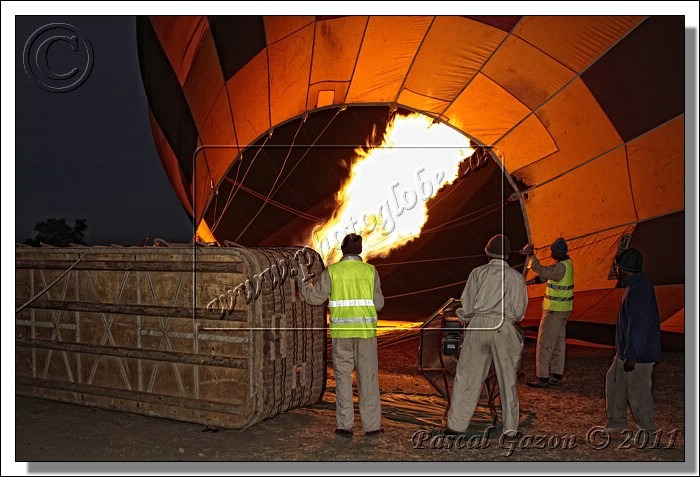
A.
pixel 48 432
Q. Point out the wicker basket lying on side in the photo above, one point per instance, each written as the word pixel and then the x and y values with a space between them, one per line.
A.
pixel 214 335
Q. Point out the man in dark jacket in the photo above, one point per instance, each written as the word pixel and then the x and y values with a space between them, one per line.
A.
pixel 637 348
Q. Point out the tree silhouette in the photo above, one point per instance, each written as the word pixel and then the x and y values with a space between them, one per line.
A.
pixel 59 233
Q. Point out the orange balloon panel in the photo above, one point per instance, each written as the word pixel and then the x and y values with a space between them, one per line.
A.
pixel 218 130
pixel 657 170
pixel 675 323
pixel 450 56
pixel 171 166
pixel 485 98
pixel 250 100
pixel 204 81
pixel 580 129
pixel 528 73
pixel 278 28
pixel 529 142
pixel 336 46
pixel 182 36
pixel 387 51
pixel 290 68
pixel 594 197
pixel 575 41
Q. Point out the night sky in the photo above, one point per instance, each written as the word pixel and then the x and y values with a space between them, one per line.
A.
pixel 89 153
pixel 86 153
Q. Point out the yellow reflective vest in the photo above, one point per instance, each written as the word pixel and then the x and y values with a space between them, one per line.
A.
pixel 560 295
pixel 352 300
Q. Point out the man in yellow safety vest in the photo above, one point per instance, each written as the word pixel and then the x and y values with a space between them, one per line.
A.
pixel 354 295
pixel 556 307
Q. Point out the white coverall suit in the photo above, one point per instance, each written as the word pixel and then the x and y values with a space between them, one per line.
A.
pixel 494 298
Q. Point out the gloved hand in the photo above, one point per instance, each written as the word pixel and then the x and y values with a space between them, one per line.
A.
pixel 628 365
pixel 304 277
pixel 527 249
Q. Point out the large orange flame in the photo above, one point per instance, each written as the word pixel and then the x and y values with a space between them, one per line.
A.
pixel 385 198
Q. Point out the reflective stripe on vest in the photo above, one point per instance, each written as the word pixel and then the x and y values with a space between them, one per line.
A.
pixel 352 300
pixel 333 303
pixel 560 295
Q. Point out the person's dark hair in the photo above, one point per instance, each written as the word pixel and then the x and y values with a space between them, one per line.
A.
pixel 352 244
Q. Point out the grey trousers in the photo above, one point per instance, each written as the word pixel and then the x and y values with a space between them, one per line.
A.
pixel 551 343
pixel 633 386
pixel 503 347
pixel 359 354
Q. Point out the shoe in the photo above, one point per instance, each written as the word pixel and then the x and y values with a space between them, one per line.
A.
pixel 378 432
pixel 614 430
pixel 344 432
pixel 446 431
pixel 540 383
pixel 556 382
